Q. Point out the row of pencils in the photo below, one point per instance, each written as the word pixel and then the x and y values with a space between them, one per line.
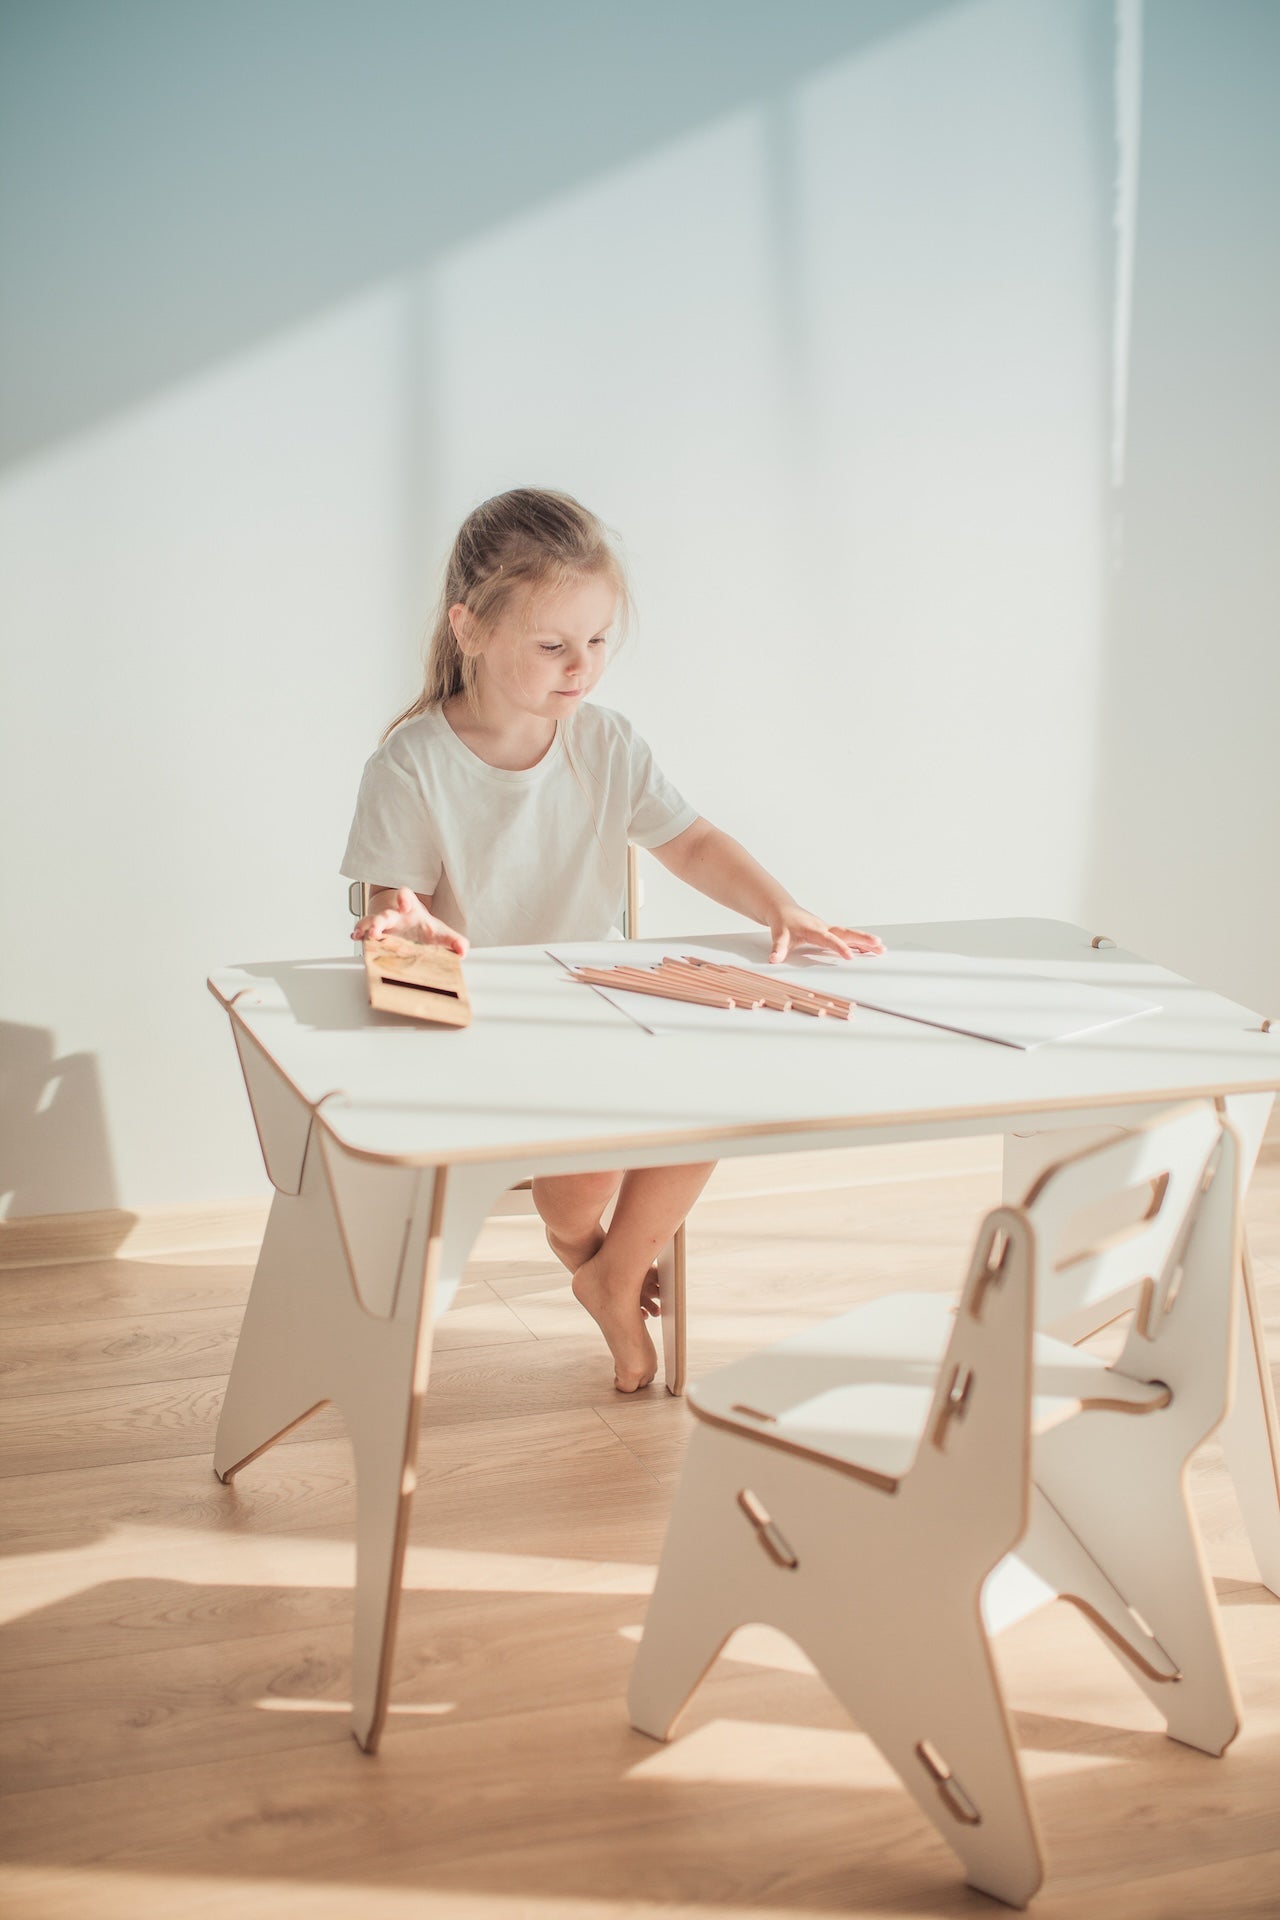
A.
pixel 706 983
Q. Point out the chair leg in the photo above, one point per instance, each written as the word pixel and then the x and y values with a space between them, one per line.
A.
pixel 890 1614
pixel 1251 1433
pixel 671 1281
pixel 758 1535
pixel 704 1590
pixel 1135 1520
pixel 938 1718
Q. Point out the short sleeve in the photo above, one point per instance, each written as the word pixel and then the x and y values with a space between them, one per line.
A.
pixel 658 811
pixel 393 841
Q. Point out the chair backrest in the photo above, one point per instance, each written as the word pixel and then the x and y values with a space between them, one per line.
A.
pixel 1162 1169
pixel 1175 1262
pixel 1033 1265
pixel 631 909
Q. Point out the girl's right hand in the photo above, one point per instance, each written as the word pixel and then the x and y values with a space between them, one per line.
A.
pixel 406 917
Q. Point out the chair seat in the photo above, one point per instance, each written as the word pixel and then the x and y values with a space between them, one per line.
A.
pixel 856 1392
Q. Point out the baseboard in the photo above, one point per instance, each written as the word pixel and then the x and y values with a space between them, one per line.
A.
pixel 64 1239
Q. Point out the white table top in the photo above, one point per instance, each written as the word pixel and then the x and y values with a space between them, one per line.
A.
pixel 549 1068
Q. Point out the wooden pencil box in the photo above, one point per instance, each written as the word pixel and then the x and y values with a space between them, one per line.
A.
pixel 424 982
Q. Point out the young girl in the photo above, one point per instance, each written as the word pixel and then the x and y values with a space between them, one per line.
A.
pixel 497 811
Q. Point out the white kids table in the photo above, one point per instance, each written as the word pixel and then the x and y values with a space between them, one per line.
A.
pixel 388 1142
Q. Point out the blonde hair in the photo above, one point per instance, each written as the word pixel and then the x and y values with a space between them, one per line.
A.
pixel 529 537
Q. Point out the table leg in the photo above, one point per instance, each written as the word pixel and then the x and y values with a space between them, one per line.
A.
pixel 384 1410
pixel 310 1336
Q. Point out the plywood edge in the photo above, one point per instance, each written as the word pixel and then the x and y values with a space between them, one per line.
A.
pixel 62 1239
pixel 829 1170
pixel 924 1122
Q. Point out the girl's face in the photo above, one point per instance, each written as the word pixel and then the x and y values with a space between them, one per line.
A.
pixel 548 649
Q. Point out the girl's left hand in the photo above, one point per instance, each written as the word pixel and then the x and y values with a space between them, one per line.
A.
pixel 793 927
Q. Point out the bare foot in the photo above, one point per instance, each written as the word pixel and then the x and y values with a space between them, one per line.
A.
pixel 621 1321
pixel 573 1254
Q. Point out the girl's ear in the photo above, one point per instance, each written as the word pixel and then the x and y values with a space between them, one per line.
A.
pixel 463 623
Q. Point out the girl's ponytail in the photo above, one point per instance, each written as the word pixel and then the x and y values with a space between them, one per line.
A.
pixel 529 537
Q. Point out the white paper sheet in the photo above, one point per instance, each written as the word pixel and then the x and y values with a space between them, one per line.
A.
pixel 1008 1001
pixel 1011 1002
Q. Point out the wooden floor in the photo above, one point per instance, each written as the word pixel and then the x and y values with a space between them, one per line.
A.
pixel 175 1653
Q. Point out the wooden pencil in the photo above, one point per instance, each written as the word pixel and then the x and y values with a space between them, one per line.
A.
pixel 833 1002
pixel 637 982
pixel 742 997
pixel 765 993
pixel 803 999
pixel 785 1000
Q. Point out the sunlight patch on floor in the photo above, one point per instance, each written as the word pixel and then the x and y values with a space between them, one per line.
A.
pixel 290 1560
pixel 751 1752
pixel 752 1646
pixel 61 1893
pixel 281 1703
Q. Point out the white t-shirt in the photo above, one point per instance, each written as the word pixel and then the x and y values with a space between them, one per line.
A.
pixel 513 858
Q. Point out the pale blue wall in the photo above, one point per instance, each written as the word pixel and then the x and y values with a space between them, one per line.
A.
pixel 1185 855
pixel 181 180
pixel 814 303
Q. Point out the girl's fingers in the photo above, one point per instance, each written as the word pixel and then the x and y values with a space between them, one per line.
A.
pixel 375 925
pixel 438 934
pixel 411 925
pixel 864 942
pixel 833 937
pixel 781 943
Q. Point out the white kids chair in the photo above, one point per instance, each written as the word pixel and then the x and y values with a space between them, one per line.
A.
pixel 519 1199
pixel 864 1486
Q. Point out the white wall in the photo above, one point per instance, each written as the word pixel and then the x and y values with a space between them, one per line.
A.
pixel 1185 855
pixel 816 313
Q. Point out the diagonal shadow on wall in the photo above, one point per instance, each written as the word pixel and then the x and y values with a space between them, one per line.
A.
pixel 179 182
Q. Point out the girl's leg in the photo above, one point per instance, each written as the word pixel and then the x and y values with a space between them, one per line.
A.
pixel 571 1205
pixel 612 1282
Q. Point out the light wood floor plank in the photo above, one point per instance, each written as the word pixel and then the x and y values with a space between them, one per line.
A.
pixel 175 1653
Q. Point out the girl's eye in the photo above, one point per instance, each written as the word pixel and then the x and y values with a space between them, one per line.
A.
pixel 548 646
pixel 600 640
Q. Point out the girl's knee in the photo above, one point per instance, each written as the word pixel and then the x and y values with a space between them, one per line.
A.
pixel 573 1190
